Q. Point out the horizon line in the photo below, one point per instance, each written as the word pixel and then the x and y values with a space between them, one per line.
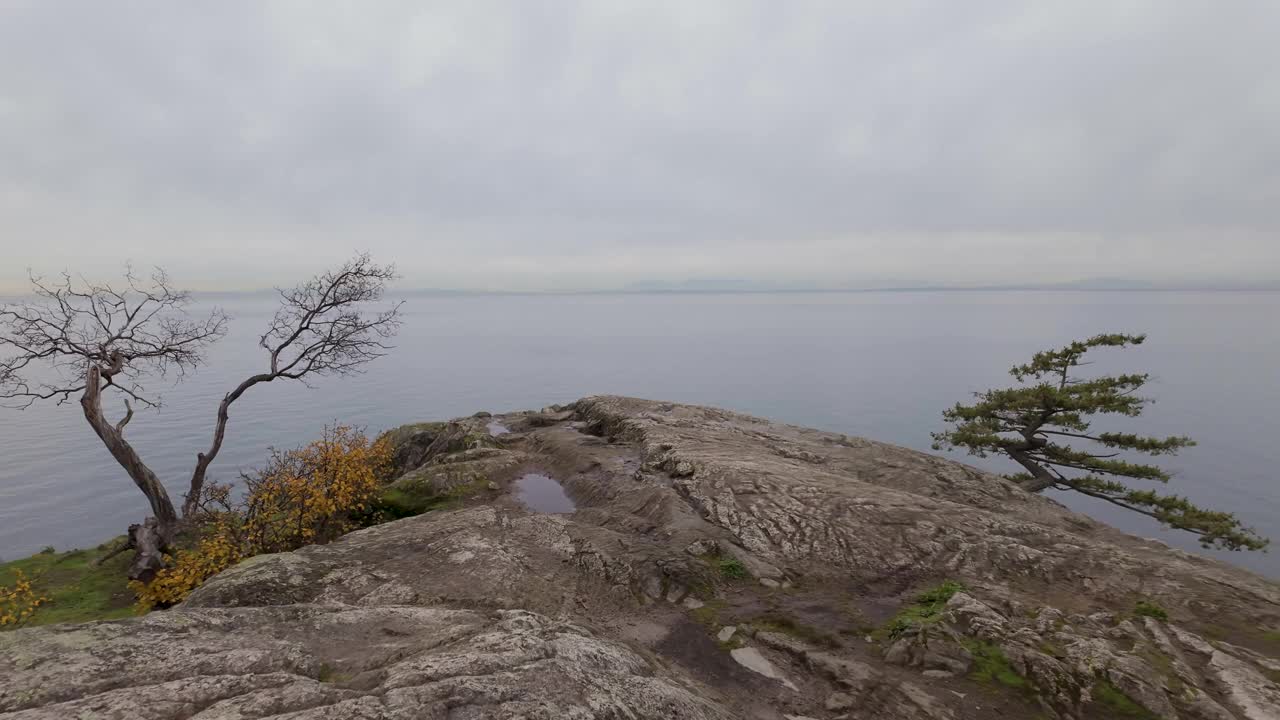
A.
pixel 767 291
pixel 788 291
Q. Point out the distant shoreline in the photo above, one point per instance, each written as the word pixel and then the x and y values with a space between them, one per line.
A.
pixel 784 291
pixel 11 297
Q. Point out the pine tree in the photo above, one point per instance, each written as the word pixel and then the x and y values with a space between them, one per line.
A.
pixel 1034 422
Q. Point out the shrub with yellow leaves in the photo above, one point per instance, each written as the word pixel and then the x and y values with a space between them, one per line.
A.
pixel 187 570
pixel 313 494
pixel 309 495
pixel 19 601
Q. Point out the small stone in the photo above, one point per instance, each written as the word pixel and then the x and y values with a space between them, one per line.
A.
pixel 769 583
pixel 955 665
pixel 751 659
pixel 492 485
pixel 938 674
pixel 693 603
pixel 839 701
pixel 684 468
pixel 702 547
pixel 726 633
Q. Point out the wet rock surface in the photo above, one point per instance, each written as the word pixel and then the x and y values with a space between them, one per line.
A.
pixel 815 548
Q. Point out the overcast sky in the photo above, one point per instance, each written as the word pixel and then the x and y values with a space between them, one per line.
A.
pixel 562 145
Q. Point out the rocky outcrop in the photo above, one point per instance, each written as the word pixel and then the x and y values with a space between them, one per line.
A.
pixel 335 661
pixel 717 566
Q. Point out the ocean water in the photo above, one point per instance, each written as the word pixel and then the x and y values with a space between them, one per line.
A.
pixel 879 365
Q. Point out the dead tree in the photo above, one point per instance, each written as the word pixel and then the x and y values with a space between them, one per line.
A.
pixel 86 339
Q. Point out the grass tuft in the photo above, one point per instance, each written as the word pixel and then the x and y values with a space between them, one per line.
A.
pixel 926 609
pixel 732 568
pixel 1145 608
pixel 991 665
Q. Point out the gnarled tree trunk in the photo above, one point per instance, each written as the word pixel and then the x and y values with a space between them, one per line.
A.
pixel 1041 479
pixel 154 535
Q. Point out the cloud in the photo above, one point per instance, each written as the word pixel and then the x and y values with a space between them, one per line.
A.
pixel 590 145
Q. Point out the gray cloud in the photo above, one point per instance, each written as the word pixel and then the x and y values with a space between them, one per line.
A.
pixel 585 145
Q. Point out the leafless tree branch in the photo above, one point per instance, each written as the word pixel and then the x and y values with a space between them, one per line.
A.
pixel 128 332
pixel 77 337
pixel 321 328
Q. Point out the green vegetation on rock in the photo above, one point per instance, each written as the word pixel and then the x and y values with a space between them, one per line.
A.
pixel 926 609
pixel 395 503
pixel 991 665
pixel 1145 608
pixel 732 568
pixel 1118 704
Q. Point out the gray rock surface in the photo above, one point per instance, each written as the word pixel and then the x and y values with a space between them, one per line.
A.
pixel 690 520
pixel 751 659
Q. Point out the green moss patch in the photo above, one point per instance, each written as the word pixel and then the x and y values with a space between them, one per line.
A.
pixel 1149 609
pixel 1119 704
pixel 926 609
pixel 78 590
pixel 720 569
pixel 404 500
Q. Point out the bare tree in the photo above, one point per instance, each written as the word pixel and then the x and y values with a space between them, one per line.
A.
pixel 81 338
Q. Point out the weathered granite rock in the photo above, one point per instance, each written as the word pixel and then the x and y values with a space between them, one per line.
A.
pixel 411 443
pixel 335 661
pixel 690 520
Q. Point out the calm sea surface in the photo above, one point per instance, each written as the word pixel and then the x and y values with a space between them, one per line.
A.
pixel 879 365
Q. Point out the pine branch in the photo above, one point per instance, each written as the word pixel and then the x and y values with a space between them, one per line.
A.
pixel 1021 422
pixel 1214 528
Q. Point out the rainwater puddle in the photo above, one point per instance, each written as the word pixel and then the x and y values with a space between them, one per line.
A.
pixel 542 494
pixel 497 428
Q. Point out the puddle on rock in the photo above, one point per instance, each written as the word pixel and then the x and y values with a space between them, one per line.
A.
pixel 542 494
pixel 497 428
